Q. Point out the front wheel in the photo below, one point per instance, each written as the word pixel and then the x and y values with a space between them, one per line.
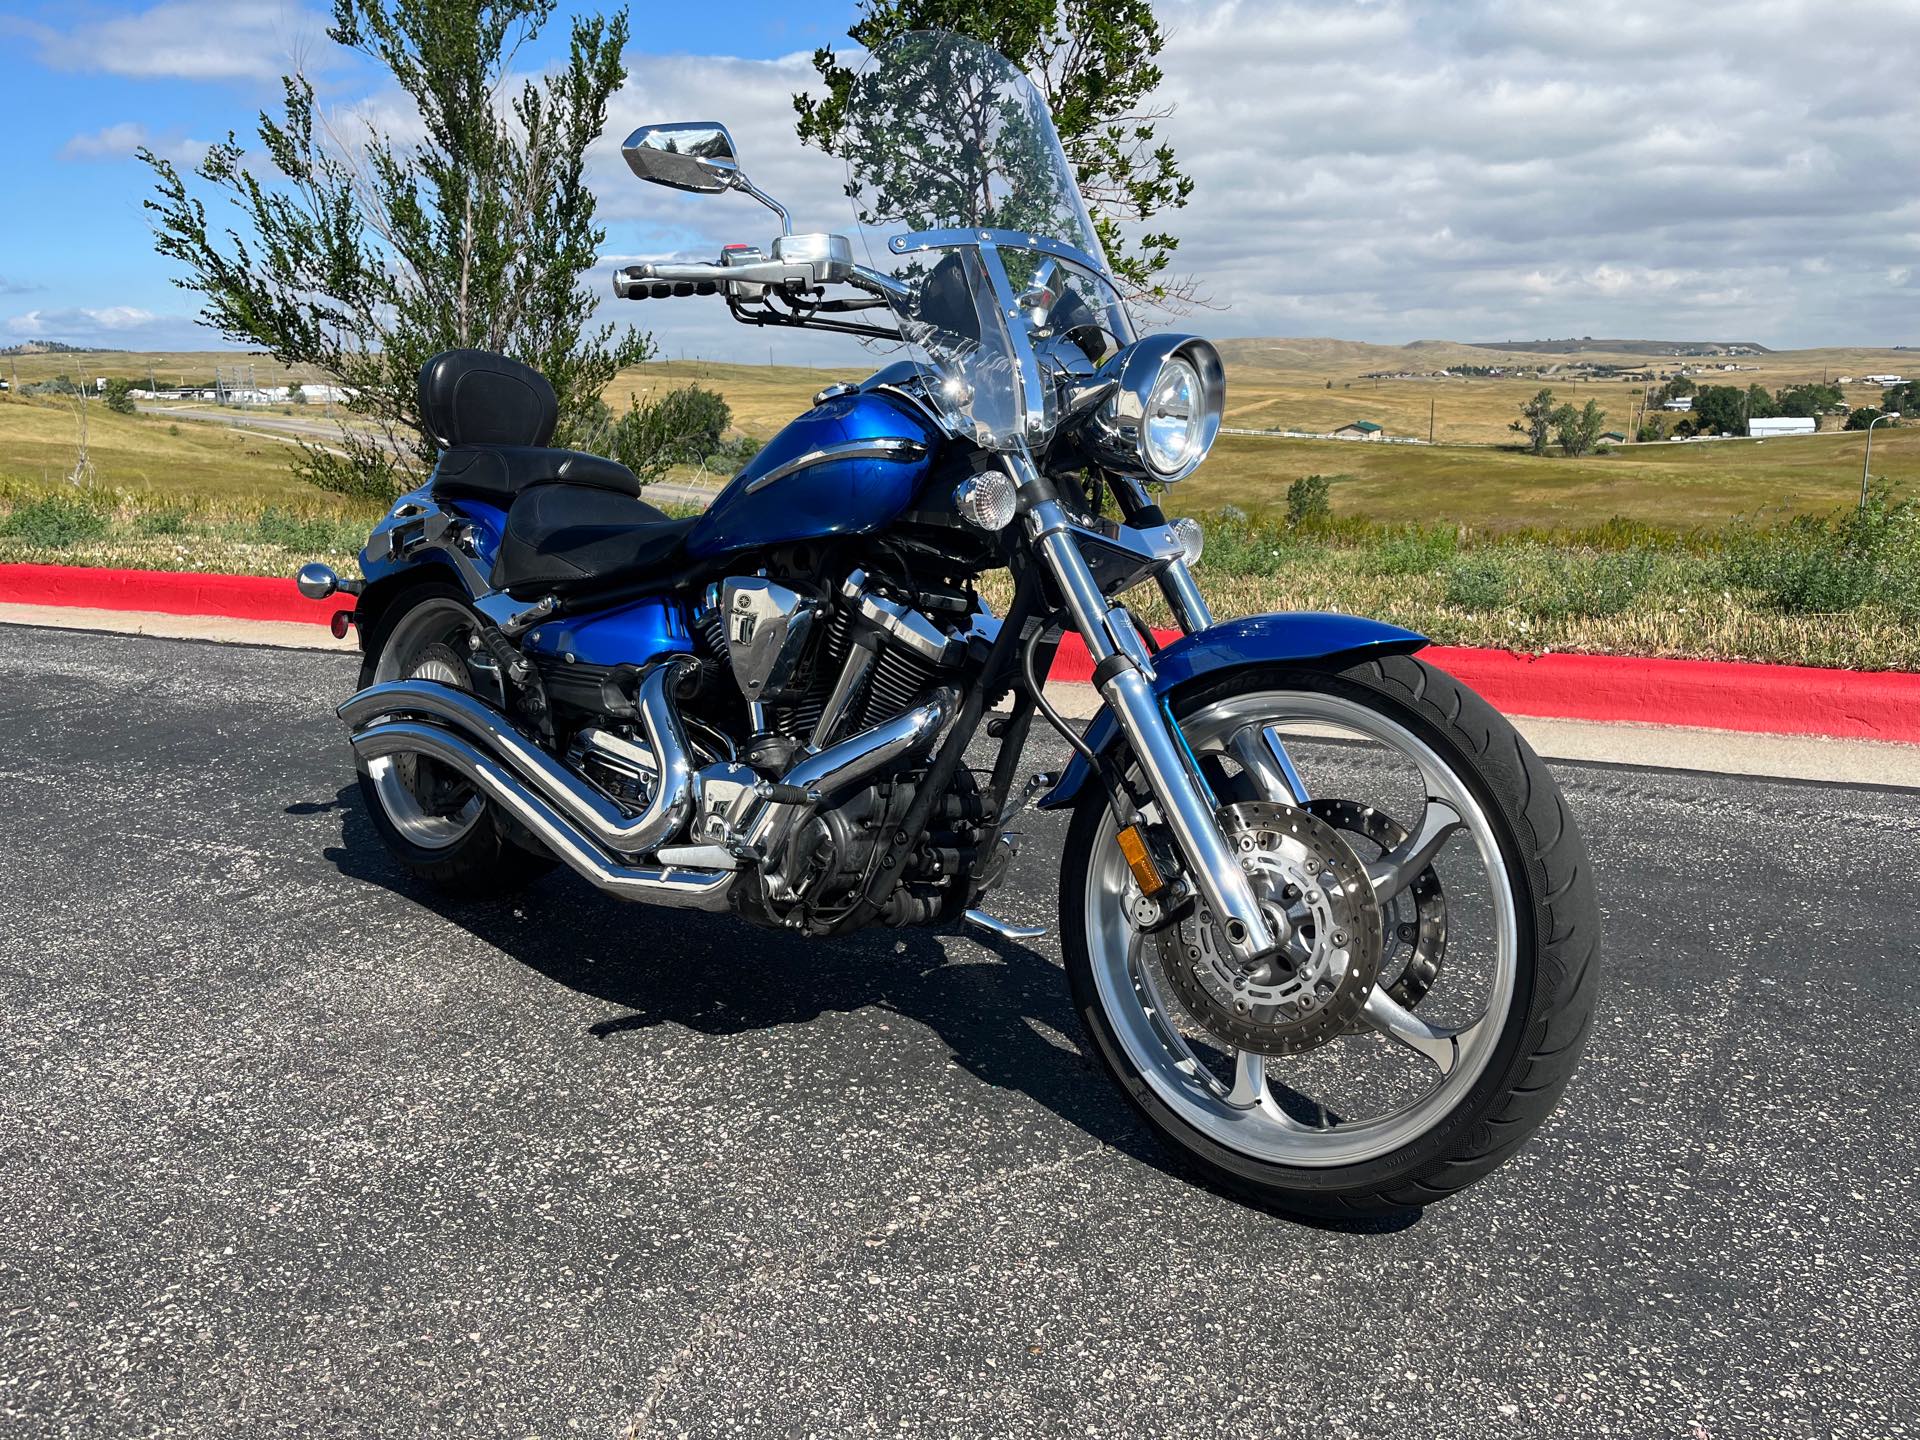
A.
pixel 1438 968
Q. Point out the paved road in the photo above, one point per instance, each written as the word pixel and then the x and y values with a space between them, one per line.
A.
pixel 290 1146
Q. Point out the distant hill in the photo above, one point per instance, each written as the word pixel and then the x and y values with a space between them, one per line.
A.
pixel 43 347
pixel 1587 345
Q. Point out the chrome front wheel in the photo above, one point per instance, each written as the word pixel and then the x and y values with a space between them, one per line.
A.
pixel 1397 832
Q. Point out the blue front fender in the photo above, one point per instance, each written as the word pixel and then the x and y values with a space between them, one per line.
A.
pixel 1297 638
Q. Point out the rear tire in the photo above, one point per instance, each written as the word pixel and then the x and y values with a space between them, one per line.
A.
pixel 1526 1057
pixel 416 812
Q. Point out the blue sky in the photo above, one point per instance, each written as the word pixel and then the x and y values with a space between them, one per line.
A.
pixel 1383 170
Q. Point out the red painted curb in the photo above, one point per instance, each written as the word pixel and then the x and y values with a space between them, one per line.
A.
pixel 168 592
pixel 1716 694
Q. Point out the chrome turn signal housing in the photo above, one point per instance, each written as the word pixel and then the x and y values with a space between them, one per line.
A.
pixel 986 499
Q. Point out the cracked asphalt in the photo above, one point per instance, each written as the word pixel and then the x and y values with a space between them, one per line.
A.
pixel 289 1145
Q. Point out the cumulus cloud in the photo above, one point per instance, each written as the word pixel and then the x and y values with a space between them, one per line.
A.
pixel 125 327
pixel 119 142
pixel 189 40
pixel 1484 170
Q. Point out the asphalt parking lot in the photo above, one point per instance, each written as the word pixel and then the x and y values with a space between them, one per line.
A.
pixel 290 1145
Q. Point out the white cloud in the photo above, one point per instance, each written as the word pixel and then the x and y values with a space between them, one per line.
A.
pixel 191 40
pixel 119 142
pixel 125 326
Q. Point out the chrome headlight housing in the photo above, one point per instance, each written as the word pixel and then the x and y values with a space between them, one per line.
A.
pixel 1164 413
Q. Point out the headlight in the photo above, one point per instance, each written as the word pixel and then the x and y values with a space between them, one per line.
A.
pixel 986 499
pixel 1162 418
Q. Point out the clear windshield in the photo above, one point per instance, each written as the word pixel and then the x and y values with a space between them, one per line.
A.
pixel 962 194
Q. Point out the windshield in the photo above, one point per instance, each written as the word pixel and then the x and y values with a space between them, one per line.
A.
pixel 962 194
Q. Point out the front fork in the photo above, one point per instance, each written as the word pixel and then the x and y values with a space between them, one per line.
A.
pixel 1123 674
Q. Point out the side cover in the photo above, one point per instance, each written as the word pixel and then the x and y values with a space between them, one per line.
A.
pixel 1297 638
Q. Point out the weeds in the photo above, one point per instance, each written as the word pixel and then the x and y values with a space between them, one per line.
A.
pixel 55 521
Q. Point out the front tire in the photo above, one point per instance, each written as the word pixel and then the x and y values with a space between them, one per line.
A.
pixel 433 822
pixel 1253 1123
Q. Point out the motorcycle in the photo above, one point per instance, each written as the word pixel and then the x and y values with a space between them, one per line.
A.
pixel 1324 914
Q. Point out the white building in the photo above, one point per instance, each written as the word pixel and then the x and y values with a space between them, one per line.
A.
pixel 1783 425
pixel 1886 379
pixel 1685 402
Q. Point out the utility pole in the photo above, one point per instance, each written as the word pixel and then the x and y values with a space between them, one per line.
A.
pixel 1431 402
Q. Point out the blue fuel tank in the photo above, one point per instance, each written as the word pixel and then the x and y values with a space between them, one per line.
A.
pixel 852 496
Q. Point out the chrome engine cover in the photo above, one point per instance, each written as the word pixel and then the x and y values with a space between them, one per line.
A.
pixel 768 626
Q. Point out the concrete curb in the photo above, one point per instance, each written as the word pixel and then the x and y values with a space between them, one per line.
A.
pixel 1697 694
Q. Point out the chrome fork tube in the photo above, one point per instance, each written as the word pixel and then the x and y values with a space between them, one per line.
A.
pixel 1183 597
pixel 1125 686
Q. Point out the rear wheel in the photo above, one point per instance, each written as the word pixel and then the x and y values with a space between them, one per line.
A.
pixel 1438 970
pixel 430 817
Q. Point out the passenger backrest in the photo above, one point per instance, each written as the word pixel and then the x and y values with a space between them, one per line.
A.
pixel 474 397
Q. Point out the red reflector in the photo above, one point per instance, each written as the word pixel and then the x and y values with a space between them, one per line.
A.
pixel 342 619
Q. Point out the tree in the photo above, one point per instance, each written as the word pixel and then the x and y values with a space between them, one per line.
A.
pixel 1653 427
pixel 1810 401
pixel 296 394
pixel 1760 403
pixel 119 395
pixel 1578 431
pixel 683 427
pixel 1093 62
pixel 1904 397
pixel 1536 422
pixel 1863 417
pixel 1678 388
pixel 1719 409
pixel 364 259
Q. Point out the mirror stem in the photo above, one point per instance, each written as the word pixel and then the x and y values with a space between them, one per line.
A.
pixel 741 182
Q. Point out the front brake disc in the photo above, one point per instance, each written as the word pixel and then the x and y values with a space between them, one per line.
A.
pixel 1416 931
pixel 1315 894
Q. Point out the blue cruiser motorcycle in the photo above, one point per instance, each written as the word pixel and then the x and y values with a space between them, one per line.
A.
pixel 1324 914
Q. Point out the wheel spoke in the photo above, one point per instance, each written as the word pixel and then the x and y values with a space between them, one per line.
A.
pixel 1262 756
pixel 1394 871
pixel 1249 1080
pixel 1439 1044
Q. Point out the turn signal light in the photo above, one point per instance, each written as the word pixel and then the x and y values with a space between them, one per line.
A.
pixel 1146 875
pixel 986 499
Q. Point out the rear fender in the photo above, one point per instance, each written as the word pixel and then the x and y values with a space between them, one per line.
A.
pixel 1309 638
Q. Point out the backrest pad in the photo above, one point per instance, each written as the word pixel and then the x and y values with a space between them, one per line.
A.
pixel 474 397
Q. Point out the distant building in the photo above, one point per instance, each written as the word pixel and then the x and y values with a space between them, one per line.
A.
pixel 1783 425
pixel 1613 437
pixel 1359 430
pixel 1685 402
pixel 1886 379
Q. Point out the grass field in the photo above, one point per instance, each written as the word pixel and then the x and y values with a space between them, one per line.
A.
pixel 176 493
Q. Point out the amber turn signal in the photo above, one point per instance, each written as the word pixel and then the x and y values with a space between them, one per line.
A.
pixel 1133 845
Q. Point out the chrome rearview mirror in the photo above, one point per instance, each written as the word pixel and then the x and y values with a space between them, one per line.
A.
pixel 696 155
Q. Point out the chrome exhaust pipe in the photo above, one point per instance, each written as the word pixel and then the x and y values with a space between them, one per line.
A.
pixel 610 827
pixel 672 886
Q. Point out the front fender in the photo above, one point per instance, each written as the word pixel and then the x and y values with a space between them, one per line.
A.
pixel 1297 638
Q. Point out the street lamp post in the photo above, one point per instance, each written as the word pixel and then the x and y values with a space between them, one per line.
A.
pixel 1866 466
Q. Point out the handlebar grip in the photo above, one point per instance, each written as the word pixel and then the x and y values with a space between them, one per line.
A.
pixel 634 283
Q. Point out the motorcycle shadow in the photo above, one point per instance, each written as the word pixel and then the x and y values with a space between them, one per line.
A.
pixel 1010 1025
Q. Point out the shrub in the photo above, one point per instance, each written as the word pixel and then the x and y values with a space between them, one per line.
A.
pixel 55 521
pixel 1414 550
pixel 1480 582
pixel 120 397
pixel 1822 565
pixel 276 526
pixel 160 522
pixel 1309 501
pixel 1595 585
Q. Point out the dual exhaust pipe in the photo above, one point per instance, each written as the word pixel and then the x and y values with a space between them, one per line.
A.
pixel 604 844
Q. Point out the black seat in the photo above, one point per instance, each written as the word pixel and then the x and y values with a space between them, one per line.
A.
pixel 564 539
pixel 493 418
